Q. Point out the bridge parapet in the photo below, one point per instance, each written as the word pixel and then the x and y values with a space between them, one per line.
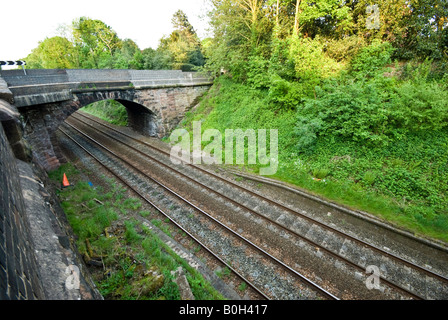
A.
pixel 5 93
pixel 40 86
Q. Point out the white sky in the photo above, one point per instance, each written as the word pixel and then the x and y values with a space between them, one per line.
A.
pixel 24 23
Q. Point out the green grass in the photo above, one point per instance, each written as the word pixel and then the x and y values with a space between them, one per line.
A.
pixel 108 110
pixel 223 273
pixel 137 264
pixel 404 182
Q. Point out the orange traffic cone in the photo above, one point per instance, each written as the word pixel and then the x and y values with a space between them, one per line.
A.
pixel 65 182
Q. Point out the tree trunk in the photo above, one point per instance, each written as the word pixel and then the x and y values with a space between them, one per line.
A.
pixel 296 18
pixel 276 15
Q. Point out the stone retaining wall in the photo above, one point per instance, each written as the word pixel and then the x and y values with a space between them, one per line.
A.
pixel 18 270
pixel 36 246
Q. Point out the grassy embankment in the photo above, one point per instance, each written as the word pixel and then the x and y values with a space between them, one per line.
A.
pixel 403 179
pixel 133 263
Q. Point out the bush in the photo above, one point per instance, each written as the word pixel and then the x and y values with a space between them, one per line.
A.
pixel 373 111
pixel 402 176
pixel 311 63
pixel 284 93
pixel 372 58
pixel 257 76
pixel 353 111
pixel 420 106
pixel 343 49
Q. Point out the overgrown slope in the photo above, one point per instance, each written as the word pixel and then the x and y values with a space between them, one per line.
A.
pixel 376 142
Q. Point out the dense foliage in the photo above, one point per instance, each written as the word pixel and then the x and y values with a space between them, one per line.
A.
pixel 260 41
pixel 361 111
pixel 402 178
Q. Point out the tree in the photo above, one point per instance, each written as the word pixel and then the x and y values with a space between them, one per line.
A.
pixel 424 31
pixel 180 22
pixel 242 30
pixel 253 8
pixel 296 17
pixel 53 53
pixel 322 17
pixel 148 57
pixel 96 42
pixel 182 48
pixel 128 56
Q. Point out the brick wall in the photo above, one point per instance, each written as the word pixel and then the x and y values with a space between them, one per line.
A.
pixel 18 276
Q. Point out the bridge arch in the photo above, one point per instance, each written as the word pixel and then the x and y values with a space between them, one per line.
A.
pixel 143 119
pixel 49 117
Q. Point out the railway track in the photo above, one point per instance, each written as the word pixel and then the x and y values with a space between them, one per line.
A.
pixel 161 211
pixel 346 252
pixel 271 266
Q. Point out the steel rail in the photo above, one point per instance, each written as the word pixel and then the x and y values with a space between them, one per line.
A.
pixel 350 237
pixel 167 216
pixel 309 241
pixel 285 266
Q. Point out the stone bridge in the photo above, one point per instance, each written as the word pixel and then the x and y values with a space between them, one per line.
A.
pixel 155 100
